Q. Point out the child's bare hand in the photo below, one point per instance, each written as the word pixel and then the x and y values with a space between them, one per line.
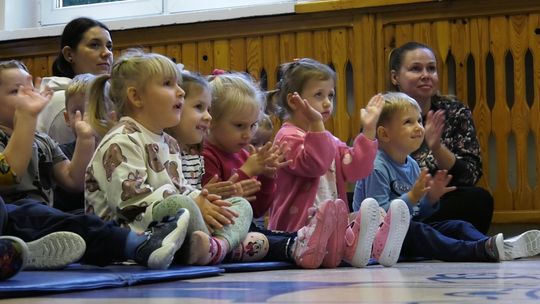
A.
pixel 434 127
pixel 248 188
pixel 303 107
pixel 214 210
pixel 438 186
pixel 420 187
pixel 83 128
pixel 30 101
pixel 370 115
pixel 225 189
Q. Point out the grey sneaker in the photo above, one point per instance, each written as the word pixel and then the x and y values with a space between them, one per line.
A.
pixel 55 250
pixel 526 244
pixel 164 239
pixel 495 247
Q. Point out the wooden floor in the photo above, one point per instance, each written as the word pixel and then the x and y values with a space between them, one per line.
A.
pixel 419 282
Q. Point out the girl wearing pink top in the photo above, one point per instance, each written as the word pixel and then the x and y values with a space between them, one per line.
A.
pixel 320 165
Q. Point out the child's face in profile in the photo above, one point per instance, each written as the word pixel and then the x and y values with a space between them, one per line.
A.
pixel 320 95
pixel 195 119
pixel 75 103
pixel 10 80
pixel 405 130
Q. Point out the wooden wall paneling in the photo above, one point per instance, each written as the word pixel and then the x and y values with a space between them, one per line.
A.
pixel 482 114
pixel 365 62
pixel 159 49
pixel 41 66
pixel 404 33
pixel 287 47
pixel 520 110
pixel 238 54
pixel 189 56
pixel 322 53
pixel 271 62
pixel 50 61
pixel 389 43
pixel 254 57
pixel 502 193
pixel 222 55
pixel 534 47
pixel 422 32
pixel 304 44
pixel 339 60
pixel 459 30
pixel 29 63
pixel 441 45
pixel 205 57
pixel 174 52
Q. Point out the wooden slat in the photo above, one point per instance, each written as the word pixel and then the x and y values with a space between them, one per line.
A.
pixel 254 56
pixel 205 57
pixel 441 46
pixel 221 55
pixel 333 5
pixel 482 114
pixel 304 44
pixel 238 54
pixel 520 110
pixel 499 42
pixel 339 59
pixel 534 47
pixel 189 56
pixel 174 51
pixel 460 36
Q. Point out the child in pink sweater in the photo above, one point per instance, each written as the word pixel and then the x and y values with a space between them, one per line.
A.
pixel 320 165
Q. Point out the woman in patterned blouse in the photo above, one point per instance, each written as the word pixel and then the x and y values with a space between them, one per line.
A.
pixel 413 70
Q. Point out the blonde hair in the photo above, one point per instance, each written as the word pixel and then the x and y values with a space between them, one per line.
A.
pixel 395 102
pixel 134 68
pixel 12 64
pixel 294 77
pixel 233 92
pixel 79 85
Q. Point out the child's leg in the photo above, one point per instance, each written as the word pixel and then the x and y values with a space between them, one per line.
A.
pixel 236 232
pixel 460 230
pixel 422 240
pixel 170 206
pixel 526 244
pixel 31 220
pixel 280 244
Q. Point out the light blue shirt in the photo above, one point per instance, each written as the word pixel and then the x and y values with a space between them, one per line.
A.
pixel 390 180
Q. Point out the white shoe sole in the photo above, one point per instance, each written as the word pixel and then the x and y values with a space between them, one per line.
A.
pixel 526 244
pixel 55 250
pixel 162 257
pixel 399 226
pixel 369 223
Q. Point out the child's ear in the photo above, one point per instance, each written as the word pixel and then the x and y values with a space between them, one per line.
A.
pixel 382 134
pixel 291 104
pixel 134 97
pixel 66 118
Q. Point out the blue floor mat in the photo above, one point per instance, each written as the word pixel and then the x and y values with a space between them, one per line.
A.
pixel 257 266
pixel 83 277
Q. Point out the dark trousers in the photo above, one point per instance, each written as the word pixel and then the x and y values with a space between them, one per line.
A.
pixel 450 241
pixel 279 244
pixel 31 220
pixel 470 204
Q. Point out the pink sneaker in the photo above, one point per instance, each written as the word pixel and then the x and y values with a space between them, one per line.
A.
pixel 390 236
pixel 336 242
pixel 310 245
pixel 360 234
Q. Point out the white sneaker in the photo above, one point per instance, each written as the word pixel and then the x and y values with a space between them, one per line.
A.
pixel 55 250
pixel 526 244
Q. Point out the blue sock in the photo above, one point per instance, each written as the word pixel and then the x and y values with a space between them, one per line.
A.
pixel 133 242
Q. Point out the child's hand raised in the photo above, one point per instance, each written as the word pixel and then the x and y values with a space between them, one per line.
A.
pixel 370 115
pixel 31 102
pixel 304 108
pixel 420 187
pixel 266 160
pixel 82 127
pixel 438 186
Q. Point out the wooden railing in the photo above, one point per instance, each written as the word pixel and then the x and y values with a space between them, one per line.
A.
pixel 488 53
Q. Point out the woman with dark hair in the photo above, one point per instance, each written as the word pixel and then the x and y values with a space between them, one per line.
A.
pixel 85 47
pixel 413 71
